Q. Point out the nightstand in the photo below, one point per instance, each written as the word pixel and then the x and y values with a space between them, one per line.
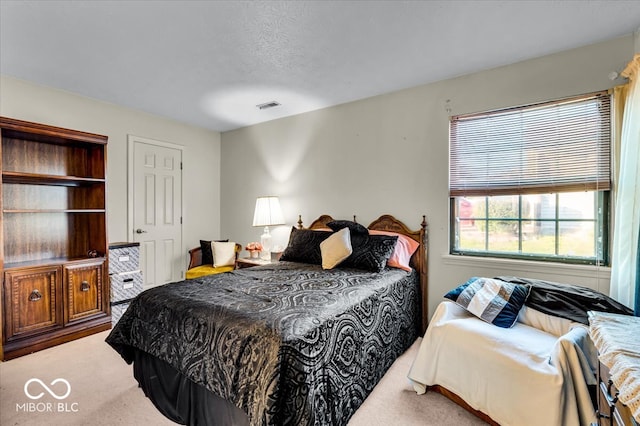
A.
pixel 246 262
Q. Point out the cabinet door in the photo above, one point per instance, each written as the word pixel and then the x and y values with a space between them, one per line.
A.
pixel 84 283
pixel 32 303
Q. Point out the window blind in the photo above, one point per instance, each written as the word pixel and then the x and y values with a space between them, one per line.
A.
pixel 557 146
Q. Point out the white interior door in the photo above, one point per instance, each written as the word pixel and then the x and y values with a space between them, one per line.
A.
pixel 157 208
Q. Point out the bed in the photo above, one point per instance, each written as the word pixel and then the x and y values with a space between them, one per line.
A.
pixel 286 343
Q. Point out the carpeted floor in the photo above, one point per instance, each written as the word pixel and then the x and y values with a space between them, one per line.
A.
pixel 104 392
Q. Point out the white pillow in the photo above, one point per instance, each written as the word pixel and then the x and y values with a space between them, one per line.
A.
pixel 336 248
pixel 224 253
pixel 545 322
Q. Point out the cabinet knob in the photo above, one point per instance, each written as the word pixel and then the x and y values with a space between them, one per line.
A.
pixel 84 286
pixel 35 296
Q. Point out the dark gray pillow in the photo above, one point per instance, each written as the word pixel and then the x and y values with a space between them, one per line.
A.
pixel 370 252
pixel 354 227
pixel 304 246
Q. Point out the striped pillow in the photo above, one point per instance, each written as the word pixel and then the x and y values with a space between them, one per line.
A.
pixel 494 301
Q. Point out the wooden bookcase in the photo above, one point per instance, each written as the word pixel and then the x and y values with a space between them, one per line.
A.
pixel 54 250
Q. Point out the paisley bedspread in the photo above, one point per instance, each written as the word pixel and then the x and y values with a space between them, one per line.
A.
pixel 287 343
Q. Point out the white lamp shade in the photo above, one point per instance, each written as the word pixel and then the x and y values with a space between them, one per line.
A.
pixel 268 212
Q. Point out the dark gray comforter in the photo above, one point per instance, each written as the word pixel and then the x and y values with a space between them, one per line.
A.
pixel 287 343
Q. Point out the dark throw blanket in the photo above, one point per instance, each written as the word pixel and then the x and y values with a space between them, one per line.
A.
pixel 567 301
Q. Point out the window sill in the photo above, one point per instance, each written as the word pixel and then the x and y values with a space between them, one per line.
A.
pixel 587 271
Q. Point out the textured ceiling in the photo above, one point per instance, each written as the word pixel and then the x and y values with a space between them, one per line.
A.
pixel 209 63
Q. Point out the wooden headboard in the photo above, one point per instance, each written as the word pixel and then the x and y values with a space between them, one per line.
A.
pixel 418 260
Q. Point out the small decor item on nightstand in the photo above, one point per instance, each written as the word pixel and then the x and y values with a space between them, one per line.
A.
pixel 254 249
pixel 276 252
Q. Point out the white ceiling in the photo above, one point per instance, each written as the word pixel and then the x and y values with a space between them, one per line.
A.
pixel 209 63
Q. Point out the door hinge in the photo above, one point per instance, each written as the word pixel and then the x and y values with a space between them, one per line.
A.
pixel 181 165
pixel 180 220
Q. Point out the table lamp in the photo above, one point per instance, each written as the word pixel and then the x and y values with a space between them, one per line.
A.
pixel 267 213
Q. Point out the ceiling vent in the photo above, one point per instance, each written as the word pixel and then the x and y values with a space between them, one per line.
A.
pixel 268 105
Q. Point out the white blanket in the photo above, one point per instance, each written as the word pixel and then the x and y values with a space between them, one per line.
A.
pixel 518 376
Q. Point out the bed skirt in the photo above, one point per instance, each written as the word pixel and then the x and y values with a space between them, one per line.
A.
pixel 180 399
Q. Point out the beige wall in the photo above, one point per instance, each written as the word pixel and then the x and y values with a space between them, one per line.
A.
pixel 201 155
pixel 389 154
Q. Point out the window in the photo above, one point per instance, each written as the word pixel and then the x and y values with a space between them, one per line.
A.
pixel 533 182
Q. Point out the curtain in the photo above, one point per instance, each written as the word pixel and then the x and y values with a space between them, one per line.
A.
pixel 625 267
pixel 637 302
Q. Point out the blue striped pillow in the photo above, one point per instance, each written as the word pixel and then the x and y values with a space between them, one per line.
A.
pixel 494 301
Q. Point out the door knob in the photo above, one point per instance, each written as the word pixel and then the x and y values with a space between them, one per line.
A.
pixel 140 231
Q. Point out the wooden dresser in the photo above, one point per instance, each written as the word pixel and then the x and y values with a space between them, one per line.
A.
pixel 53 238
pixel 610 410
pixel 618 344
